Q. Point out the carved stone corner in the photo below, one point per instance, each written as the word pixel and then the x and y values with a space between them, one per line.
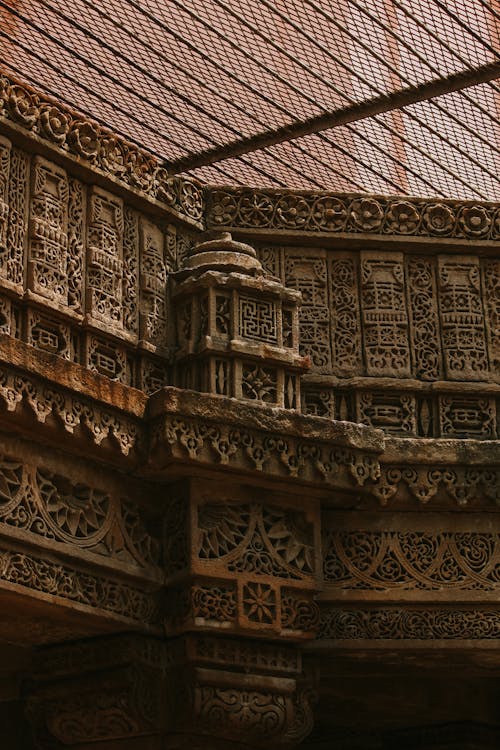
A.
pixel 198 691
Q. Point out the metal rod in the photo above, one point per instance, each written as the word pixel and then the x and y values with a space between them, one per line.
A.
pixel 353 113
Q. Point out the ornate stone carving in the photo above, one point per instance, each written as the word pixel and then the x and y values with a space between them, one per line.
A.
pixel 130 298
pixel 201 440
pixel 74 701
pixel 468 417
pixel 71 411
pixel 411 560
pixel 308 274
pixel 398 623
pixel 462 320
pixel 422 297
pixel 257 539
pixel 328 213
pixel 491 276
pixel 385 324
pixel 461 484
pixel 12 261
pixel 50 335
pixel 393 413
pixel 153 286
pixel 105 268
pixel 67 583
pixel 347 353
pixel 46 504
pixel 76 244
pixel 99 148
pixel 48 242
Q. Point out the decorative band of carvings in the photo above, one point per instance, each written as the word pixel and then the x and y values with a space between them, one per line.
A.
pixel 411 560
pixel 98 148
pixel 282 455
pixel 56 579
pixel 461 484
pixel 81 517
pixel 317 212
pixel 436 623
pixel 44 400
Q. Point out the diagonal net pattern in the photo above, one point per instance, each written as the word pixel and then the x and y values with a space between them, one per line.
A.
pixel 382 96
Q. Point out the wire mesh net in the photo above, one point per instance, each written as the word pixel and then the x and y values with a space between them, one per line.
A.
pixel 186 77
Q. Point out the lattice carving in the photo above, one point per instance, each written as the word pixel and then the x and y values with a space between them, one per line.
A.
pixel 259 383
pixel 76 244
pixel 491 276
pixel 423 304
pixel 50 335
pixel 130 295
pixel 105 258
pixel 12 263
pixel 256 539
pixel 409 560
pixel 258 319
pixel 108 359
pixel 397 623
pixel 153 286
pixel 46 504
pixel 319 402
pixel 393 413
pixel 48 242
pixel 271 259
pixel 462 319
pixel 5 148
pixel 468 417
pixel 385 323
pixel 347 352
pixel 308 274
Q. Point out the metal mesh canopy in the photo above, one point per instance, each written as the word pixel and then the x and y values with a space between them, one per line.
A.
pixel 382 96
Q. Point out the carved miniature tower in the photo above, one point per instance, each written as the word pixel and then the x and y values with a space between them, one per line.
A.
pixel 237 329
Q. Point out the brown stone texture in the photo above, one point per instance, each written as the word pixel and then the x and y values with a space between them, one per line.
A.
pixel 249 477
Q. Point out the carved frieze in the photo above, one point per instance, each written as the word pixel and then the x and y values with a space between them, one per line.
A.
pixel 341 213
pixel 427 623
pixel 370 560
pixel 98 148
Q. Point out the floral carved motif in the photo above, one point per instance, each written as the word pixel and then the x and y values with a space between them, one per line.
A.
pixel 396 623
pixel 258 209
pixel 49 505
pixel 63 581
pixel 376 561
pixel 256 539
pixel 99 148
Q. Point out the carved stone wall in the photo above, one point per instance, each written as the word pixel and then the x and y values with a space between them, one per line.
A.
pixel 390 334
pixel 82 274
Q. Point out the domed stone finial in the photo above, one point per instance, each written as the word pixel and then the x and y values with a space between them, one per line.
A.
pixel 219 252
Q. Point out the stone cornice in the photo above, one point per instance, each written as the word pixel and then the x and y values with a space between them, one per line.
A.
pixel 97 148
pixel 335 214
